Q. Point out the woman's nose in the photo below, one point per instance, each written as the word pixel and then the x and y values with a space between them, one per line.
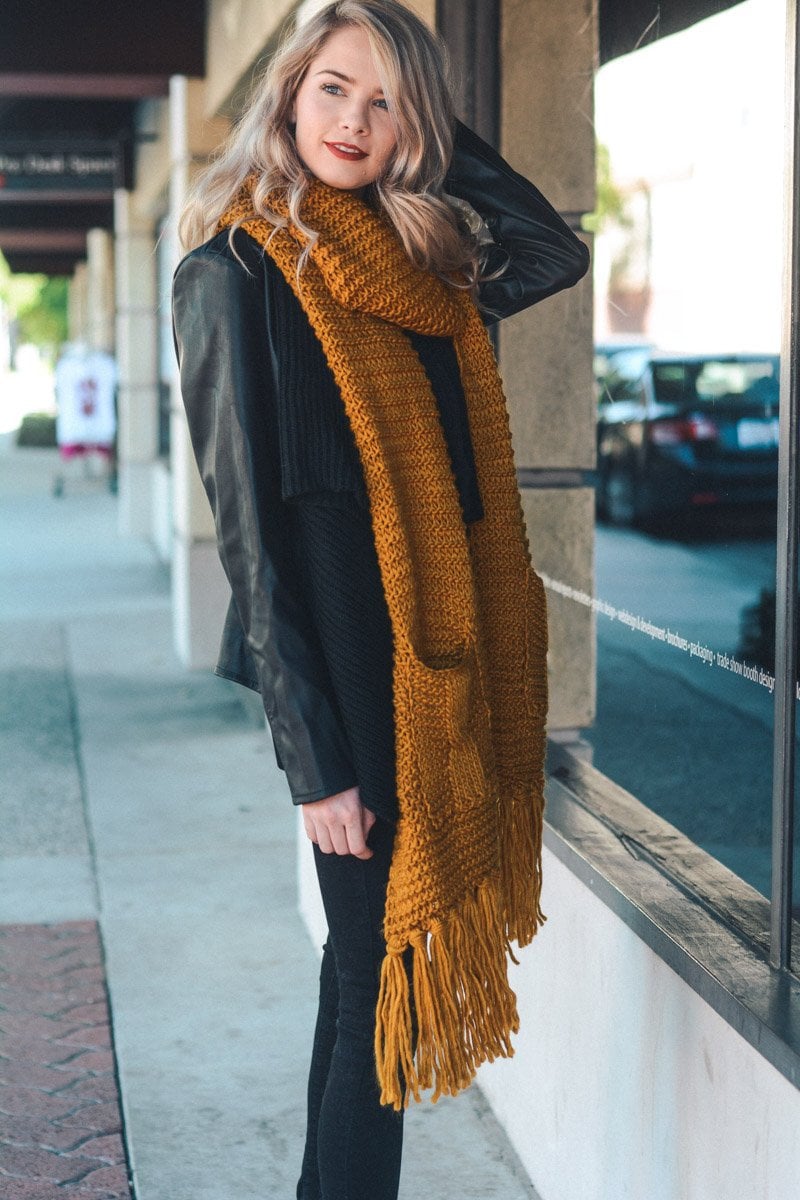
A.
pixel 355 120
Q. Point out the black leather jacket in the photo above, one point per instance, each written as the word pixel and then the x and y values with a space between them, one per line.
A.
pixel 230 349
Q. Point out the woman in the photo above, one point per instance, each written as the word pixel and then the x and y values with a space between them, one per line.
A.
pixel 351 433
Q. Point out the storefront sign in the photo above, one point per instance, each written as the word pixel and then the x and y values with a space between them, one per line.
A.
pixel 48 167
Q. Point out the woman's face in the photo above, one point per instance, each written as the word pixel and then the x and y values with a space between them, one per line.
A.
pixel 343 130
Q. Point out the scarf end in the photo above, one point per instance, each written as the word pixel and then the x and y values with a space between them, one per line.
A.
pixel 464 1010
pixel 521 857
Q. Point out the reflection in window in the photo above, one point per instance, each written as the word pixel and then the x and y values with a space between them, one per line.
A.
pixel 687 369
pixel 711 381
pixel 621 375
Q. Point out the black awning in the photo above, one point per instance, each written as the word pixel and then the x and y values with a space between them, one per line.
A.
pixel 72 76
pixel 115 37
pixel 626 25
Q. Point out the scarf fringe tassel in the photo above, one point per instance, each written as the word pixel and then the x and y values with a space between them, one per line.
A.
pixel 464 1006
pixel 521 861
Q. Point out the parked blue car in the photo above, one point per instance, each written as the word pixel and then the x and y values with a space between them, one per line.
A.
pixel 678 433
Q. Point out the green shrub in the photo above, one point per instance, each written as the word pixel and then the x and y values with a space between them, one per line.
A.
pixel 37 429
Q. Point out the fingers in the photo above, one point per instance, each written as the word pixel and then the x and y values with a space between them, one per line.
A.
pixel 311 832
pixel 356 839
pixel 338 836
pixel 340 824
pixel 358 836
pixel 323 840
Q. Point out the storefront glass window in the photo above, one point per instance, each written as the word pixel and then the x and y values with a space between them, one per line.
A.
pixel 688 268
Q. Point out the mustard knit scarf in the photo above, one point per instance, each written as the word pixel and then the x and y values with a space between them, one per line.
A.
pixel 469 620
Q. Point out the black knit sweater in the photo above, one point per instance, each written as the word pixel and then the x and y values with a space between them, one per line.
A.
pixel 317 447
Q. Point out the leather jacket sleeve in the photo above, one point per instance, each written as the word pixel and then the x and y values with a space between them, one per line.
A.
pixel 220 329
pixel 541 254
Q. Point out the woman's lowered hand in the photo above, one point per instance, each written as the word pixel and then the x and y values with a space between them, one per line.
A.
pixel 339 824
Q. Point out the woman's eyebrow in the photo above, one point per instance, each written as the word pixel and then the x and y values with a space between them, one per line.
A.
pixel 338 74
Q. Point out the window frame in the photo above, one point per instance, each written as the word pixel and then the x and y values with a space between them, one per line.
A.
pixel 730 943
pixel 761 997
pixel 709 925
pixel 786 578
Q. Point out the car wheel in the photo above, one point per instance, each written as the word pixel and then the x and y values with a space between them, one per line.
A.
pixel 619 496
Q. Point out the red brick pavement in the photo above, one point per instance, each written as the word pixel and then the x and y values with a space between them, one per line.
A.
pixel 60 1119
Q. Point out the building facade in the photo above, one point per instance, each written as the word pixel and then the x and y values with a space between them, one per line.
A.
pixel 659 1055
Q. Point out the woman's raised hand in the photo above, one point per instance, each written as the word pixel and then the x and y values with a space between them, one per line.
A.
pixel 339 824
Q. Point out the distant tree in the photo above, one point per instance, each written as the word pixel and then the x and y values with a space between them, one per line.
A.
pixel 610 206
pixel 37 305
pixel 45 322
pixel 622 219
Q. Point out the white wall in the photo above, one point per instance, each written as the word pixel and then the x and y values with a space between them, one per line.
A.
pixel 625 1085
pixel 308 895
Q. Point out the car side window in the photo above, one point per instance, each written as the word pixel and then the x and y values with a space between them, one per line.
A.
pixel 625 388
pixel 623 379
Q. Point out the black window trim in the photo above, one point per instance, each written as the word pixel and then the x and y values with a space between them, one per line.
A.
pixel 786 579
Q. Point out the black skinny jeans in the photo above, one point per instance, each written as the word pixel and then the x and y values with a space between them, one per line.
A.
pixel 353 1143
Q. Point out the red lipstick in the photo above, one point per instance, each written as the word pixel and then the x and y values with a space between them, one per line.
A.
pixel 353 154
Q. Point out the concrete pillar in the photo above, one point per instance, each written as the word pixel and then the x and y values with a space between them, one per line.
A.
pixel 546 351
pixel 138 365
pixel 100 290
pixel 77 305
pixel 200 592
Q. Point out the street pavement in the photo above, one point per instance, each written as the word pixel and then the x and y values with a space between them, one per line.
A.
pixel 141 807
pixel 691 740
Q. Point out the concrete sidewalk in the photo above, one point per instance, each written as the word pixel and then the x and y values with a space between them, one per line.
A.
pixel 146 797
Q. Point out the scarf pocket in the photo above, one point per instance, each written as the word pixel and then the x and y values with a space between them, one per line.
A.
pixel 448 747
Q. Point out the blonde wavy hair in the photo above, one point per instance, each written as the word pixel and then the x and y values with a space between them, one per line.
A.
pixel 413 68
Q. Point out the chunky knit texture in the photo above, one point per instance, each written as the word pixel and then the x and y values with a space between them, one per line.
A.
pixel 469 622
pixel 334 552
pixel 317 449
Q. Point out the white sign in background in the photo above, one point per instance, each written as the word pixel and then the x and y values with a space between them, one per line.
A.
pixel 663 633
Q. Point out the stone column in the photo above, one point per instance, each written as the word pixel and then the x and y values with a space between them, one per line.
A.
pixel 137 437
pixel 200 591
pixel 77 305
pixel 548 55
pixel 100 290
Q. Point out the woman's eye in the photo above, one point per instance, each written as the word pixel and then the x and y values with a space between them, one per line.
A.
pixel 335 89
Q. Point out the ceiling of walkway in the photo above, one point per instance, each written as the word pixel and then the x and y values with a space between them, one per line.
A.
pixel 71 78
